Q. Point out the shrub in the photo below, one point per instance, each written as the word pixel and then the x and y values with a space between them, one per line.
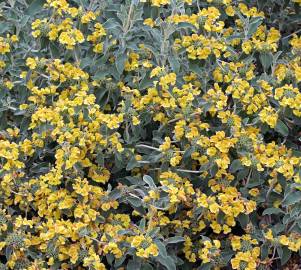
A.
pixel 151 134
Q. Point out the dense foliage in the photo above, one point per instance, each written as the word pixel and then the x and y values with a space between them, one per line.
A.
pixel 151 134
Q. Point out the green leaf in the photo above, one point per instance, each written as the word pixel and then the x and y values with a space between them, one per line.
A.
pixel 111 23
pixel 235 166
pixel 282 128
pixel 255 179
pixel 24 20
pixel 183 25
pixel 286 255
pixel 295 211
pixel 115 194
pixel 226 256
pixel 8 252
pixel 278 228
pixel 85 62
pixel 264 251
pixel 4 27
pixel 120 62
pixel 125 232
pixel 174 240
pixel 149 181
pixel 292 198
pixel 146 82
pixel 287 219
pixel 55 52
pixel 253 25
pixel 133 265
pixel 119 262
pixel 168 262
pixel 243 220
pixel 134 201
pixel 132 164
pixel 206 266
pixel 242 174
pixel 154 232
pixel 35 7
pixel 266 59
pixel 100 159
pixel 146 266
pixel 174 63
pixel 271 211
pixel 162 248
pixel 100 74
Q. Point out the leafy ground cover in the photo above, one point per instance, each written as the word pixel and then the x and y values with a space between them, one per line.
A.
pixel 151 134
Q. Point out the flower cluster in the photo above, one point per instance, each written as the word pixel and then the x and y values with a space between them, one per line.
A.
pixel 149 135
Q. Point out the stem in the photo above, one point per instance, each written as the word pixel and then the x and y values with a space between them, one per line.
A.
pixel 188 171
pixel 127 25
pixel 149 226
pixel 91 5
pixel 249 176
pixel 12 108
pixel 14 192
pixel 135 196
pixel 95 239
pixel 274 253
pixel 177 119
pixel 294 224
pixel 148 147
pixel 296 32
pixel 269 191
pixel 179 170
pixel 143 162
pixel 234 107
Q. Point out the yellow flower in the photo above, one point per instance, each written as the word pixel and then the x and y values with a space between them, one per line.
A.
pixel 283 239
pixel 2 245
pixel 149 22
pixel 98 48
pixel 158 3
pixel 269 235
pixel 153 250
pixel 31 62
pixel 14 38
pixel 247 46
pixel 211 151
pixel 217 228
pixel 88 17
pixel 214 208
pixel 254 192
pixel 135 120
pixel 230 10
pixel 269 116
pixel 156 71
pixel 175 160
pixel 9 84
pixel 166 145
pixel 137 240
pixel 99 175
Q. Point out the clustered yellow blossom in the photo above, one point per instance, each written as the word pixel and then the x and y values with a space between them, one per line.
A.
pixel 179 146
